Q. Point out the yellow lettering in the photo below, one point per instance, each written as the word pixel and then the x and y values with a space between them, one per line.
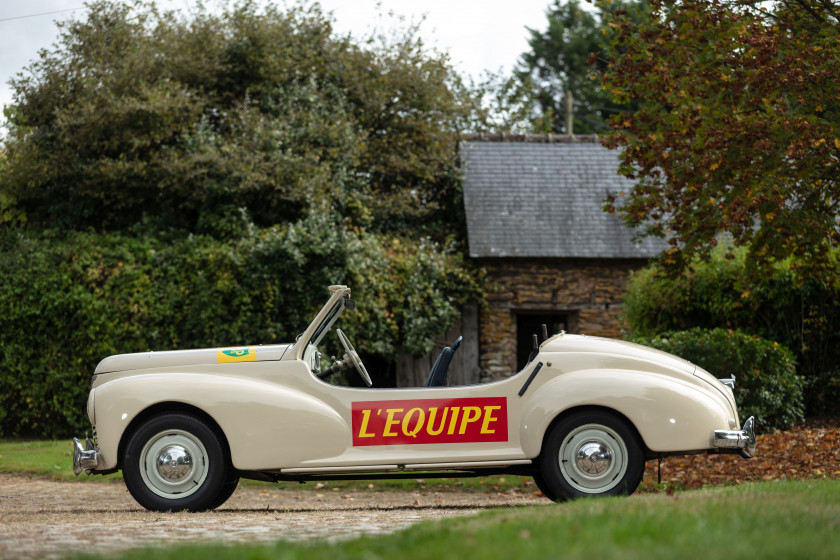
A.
pixel 432 413
pixel 488 417
pixel 421 419
pixel 363 428
pixel 389 421
pixel 456 410
pixel 471 414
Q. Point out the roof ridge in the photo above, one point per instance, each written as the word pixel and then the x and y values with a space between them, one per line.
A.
pixel 534 138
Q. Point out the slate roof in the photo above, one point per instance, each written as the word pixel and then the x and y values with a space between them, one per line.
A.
pixel 541 196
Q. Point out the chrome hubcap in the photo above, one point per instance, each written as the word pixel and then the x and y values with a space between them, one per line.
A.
pixel 593 458
pixel 173 464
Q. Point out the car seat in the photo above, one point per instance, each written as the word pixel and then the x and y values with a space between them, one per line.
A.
pixel 437 377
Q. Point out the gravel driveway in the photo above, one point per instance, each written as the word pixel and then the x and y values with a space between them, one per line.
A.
pixel 45 519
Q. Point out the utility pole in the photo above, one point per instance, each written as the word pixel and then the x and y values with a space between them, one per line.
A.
pixel 569 113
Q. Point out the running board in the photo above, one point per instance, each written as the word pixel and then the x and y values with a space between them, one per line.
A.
pixel 408 467
pixel 522 467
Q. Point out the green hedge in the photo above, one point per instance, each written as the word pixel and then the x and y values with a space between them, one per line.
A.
pixel 68 300
pixel 767 385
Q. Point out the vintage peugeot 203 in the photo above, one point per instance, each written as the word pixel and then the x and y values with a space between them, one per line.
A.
pixel 581 417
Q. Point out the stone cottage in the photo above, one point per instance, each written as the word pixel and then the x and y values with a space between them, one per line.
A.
pixel 553 256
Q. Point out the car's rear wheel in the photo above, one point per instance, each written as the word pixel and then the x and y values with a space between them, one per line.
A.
pixel 591 453
pixel 177 462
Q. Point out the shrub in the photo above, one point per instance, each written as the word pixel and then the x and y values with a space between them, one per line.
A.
pixel 800 312
pixel 767 385
pixel 69 299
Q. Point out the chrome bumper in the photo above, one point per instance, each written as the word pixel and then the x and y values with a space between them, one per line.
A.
pixel 742 440
pixel 84 459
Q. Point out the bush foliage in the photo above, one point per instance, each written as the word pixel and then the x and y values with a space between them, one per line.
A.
pixel 767 385
pixel 70 300
pixel 801 313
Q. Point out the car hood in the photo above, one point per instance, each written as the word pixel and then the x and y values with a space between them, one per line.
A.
pixel 177 358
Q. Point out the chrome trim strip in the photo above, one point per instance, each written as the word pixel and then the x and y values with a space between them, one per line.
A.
pixel 355 468
pixel 730 382
pixel 466 465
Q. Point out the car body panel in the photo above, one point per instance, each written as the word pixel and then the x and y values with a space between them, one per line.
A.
pixel 278 416
pixel 175 358
pixel 265 423
pixel 680 425
pixel 283 417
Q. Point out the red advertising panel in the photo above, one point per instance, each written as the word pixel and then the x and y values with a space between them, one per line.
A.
pixel 430 421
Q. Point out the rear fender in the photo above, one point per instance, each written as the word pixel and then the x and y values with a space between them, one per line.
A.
pixel 669 414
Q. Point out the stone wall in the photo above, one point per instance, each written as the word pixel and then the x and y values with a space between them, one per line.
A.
pixel 587 291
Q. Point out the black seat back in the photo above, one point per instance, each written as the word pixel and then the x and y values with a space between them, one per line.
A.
pixel 437 377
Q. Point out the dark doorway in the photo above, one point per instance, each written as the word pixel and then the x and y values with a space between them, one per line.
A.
pixel 528 324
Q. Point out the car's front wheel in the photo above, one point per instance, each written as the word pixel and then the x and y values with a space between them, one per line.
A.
pixel 591 453
pixel 177 462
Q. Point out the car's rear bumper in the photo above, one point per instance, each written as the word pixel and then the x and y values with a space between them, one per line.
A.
pixel 742 440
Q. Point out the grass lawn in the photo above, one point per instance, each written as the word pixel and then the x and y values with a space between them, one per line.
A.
pixel 48 459
pixel 767 520
pixel 764 519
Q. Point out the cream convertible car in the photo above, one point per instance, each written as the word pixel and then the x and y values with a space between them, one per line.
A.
pixel 581 418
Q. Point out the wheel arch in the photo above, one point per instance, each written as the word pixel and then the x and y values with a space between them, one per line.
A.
pixel 593 408
pixel 163 408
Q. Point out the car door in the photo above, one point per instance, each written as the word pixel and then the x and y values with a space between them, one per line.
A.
pixel 415 427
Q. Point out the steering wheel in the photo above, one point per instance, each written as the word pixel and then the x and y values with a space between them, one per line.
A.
pixel 351 352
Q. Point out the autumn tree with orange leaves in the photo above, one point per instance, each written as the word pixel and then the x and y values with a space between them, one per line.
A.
pixel 738 128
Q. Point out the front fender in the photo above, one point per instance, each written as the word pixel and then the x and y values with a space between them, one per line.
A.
pixel 267 426
pixel 669 413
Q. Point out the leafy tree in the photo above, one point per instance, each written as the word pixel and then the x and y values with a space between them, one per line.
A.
pixel 561 62
pixel 137 115
pixel 220 170
pixel 8 212
pixel 738 128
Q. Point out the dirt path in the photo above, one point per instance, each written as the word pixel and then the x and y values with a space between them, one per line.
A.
pixel 44 519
